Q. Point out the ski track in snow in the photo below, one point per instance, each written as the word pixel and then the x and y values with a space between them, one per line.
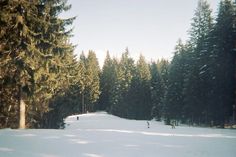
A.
pixel 159 134
pixel 103 135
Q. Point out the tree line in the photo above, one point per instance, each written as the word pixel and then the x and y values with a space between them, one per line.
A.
pixel 201 87
pixel 197 87
pixel 133 90
pixel 42 81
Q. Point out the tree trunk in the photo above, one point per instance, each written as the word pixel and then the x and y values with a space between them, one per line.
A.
pixel 83 107
pixel 22 114
pixel 21 108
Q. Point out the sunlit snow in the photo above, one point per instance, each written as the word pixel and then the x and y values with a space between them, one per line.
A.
pixel 104 135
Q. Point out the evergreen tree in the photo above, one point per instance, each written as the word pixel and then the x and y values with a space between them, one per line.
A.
pixel 223 64
pixel 84 81
pixel 174 96
pixel 124 74
pixel 92 91
pixel 201 23
pixel 106 82
pixel 89 83
pixel 163 66
pixel 115 94
pixel 33 42
pixel 18 55
pixel 56 75
pixel 157 92
pixel 194 85
pixel 143 97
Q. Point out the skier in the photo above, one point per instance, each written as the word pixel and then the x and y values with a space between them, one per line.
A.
pixel 148 125
pixel 77 117
pixel 173 125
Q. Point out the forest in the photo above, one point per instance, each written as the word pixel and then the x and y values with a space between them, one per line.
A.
pixel 42 81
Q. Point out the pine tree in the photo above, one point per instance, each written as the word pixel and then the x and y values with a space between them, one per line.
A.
pixel 18 53
pixel 201 23
pixel 106 82
pixel 143 96
pixel 115 94
pixel 55 76
pixel 89 82
pixel 157 92
pixel 124 74
pixel 223 64
pixel 84 81
pixel 163 66
pixel 92 91
pixel 174 99
pixel 194 85
pixel 33 42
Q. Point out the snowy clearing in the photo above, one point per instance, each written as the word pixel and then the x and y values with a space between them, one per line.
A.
pixel 103 135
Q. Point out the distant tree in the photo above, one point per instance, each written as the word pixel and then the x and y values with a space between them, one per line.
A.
pixel 124 74
pixel 157 92
pixel 194 85
pixel 106 82
pixel 90 82
pixel 144 77
pixel 93 73
pixel 174 100
pixel 115 94
pixel 163 66
pixel 84 81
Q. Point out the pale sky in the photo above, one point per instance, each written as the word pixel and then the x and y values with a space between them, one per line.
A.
pixel 150 27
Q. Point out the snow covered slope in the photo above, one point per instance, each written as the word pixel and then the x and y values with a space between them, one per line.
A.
pixel 103 135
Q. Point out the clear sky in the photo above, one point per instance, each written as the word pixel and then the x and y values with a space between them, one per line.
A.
pixel 150 27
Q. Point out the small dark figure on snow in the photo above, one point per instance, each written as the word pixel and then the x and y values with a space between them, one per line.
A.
pixel 77 117
pixel 173 125
pixel 148 125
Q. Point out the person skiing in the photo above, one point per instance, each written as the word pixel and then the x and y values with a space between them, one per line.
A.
pixel 148 125
pixel 173 125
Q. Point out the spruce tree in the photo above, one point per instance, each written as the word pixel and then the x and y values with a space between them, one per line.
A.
pixel 174 99
pixel 92 91
pixel 157 92
pixel 223 64
pixel 18 53
pixel 33 43
pixel 55 76
pixel 106 82
pixel 194 93
pixel 124 74
pixel 143 95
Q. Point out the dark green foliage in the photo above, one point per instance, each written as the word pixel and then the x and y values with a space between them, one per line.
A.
pixel 124 71
pixel 222 68
pixel 126 87
pixel 195 86
pixel 35 57
pixel 144 96
pixel 157 92
pixel 107 80
pixel 139 96
pixel 174 99
pixel 163 66
pixel 201 77
pixel 92 87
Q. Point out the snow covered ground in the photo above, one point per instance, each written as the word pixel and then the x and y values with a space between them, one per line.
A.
pixel 103 135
